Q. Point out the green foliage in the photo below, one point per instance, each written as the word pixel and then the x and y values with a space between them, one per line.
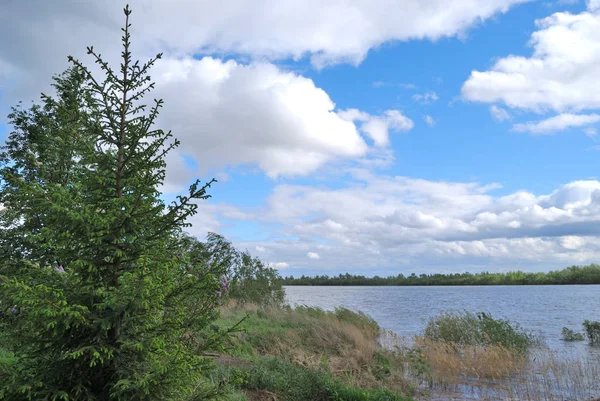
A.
pixel 592 331
pixel 477 329
pixel 570 335
pixel 99 299
pixel 252 282
pixel 295 383
pixel 571 275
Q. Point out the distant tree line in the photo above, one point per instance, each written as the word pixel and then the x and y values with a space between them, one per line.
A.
pixel 571 275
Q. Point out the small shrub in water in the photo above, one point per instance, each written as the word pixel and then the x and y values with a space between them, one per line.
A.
pixel 570 335
pixel 477 329
pixel 592 331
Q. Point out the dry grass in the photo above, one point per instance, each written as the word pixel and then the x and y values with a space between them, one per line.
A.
pixel 497 373
pixel 341 342
pixel 455 363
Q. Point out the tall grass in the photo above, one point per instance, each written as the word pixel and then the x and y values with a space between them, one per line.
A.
pixel 342 343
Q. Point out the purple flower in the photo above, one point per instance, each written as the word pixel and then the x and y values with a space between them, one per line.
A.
pixel 60 269
pixel 14 310
pixel 225 282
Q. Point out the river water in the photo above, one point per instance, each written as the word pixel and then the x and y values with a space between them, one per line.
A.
pixel 404 310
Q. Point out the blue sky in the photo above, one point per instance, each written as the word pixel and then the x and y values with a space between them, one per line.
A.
pixel 372 137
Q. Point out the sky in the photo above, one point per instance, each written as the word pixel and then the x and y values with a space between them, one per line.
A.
pixel 372 137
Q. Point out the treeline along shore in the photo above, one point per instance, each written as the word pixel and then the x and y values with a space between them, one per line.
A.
pixel 571 275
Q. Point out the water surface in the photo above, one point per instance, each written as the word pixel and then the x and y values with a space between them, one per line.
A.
pixel 404 310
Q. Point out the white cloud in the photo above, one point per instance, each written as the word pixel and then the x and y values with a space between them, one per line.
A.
pixel 427 97
pixel 429 120
pixel 378 127
pixel 280 265
pixel 381 84
pixel 313 255
pixel 260 249
pixel 499 114
pixel 226 113
pixel 229 113
pixel 397 221
pixel 560 75
pixel 572 242
pixel 342 31
pixel 557 123
pixel 590 131
pixel 328 32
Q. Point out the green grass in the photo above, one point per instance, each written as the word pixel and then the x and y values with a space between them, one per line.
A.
pixel 295 383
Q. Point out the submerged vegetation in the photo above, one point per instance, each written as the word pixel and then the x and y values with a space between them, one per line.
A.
pixel 480 329
pixel 570 335
pixel 592 331
pixel 571 275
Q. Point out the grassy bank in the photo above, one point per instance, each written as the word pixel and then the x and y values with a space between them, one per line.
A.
pixel 310 354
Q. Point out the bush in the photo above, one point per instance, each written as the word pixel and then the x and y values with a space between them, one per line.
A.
pixel 477 329
pixel 592 331
pixel 570 335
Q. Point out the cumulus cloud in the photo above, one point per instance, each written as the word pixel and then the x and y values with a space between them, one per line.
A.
pixel 560 75
pixel 313 255
pixel 557 123
pixel 260 249
pixel 397 221
pixel 227 113
pixel 499 114
pixel 378 127
pixel 280 265
pixel 343 31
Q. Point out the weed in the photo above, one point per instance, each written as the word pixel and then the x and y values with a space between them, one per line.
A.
pixel 570 335
pixel 592 331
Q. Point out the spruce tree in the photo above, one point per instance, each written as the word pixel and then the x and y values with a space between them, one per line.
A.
pixel 100 298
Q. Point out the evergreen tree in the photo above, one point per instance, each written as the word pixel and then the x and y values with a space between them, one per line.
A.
pixel 100 298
